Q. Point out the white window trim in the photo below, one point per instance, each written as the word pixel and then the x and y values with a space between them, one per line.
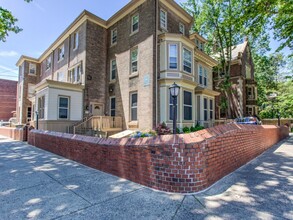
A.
pixel 112 35
pixel 132 31
pixel 50 64
pixel 205 77
pixel 206 109
pixel 200 74
pixel 183 27
pixel 58 74
pixel 41 117
pixel 131 62
pixel 61 49
pixel 165 25
pixel 35 68
pixel 211 109
pixel 75 68
pixel 75 40
pixel 177 46
pixel 111 69
pixel 184 105
pixel 110 107
pixel 191 64
pixel 131 107
pixel 68 107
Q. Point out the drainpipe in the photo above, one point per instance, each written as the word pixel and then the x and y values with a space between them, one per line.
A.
pixel 156 57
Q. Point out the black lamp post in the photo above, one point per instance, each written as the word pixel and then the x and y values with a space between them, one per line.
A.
pixel 174 92
pixel 37 120
pixel 273 97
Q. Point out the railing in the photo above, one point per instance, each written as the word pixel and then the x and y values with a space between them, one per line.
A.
pixel 98 123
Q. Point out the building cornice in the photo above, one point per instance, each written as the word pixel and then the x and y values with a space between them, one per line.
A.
pixel 173 6
pixel 205 91
pixel 58 85
pixel 203 57
pixel 196 35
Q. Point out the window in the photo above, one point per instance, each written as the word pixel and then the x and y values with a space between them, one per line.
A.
pixel 32 68
pixel 163 19
pixel 250 93
pixel 187 60
pixel 205 77
pixel 201 46
pixel 171 115
pixel 249 111
pixel 61 53
pixel 74 75
pixel 200 77
pixel 134 63
pixel 60 77
pixel 113 68
pixel 75 40
pixel 181 28
pixel 48 63
pixel 112 106
pixel 133 107
pixel 29 114
pixel 134 23
pixel 63 107
pixel 205 107
pixel 211 109
pixel 41 107
pixel 114 36
pixel 187 105
pixel 173 56
pixel 197 43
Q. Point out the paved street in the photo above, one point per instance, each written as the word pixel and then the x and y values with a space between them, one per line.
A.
pixel 35 184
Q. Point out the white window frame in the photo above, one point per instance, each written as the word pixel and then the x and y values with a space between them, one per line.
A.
pixel 75 40
pixel 211 108
pixel 112 109
pixel 111 69
pixel 48 63
pixel 58 77
pixel 182 28
pixel 205 109
pixel 114 36
pixel 205 77
pixel 67 108
pixel 133 61
pixel 32 66
pixel 41 107
pixel 61 52
pixel 163 23
pixel 183 60
pixel 169 56
pixel 133 107
pixel 77 73
pixel 188 106
pixel 132 23
pixel 200 75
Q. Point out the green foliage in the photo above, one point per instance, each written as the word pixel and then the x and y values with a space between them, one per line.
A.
pixel 163 129
pixel 8 23
pixel 186 130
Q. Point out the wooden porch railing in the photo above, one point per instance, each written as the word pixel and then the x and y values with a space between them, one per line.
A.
pixel 99 123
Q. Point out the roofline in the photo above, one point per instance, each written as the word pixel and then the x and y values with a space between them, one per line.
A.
pixel 198 36
pixel 86 15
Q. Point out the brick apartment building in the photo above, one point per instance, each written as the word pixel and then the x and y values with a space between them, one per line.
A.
pixel 7 98
pixel 117 73
pixel 244 99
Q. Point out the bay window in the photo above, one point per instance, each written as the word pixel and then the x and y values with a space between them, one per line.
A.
pixel 187 104
pixel 173 56
pixel 187 63
pixel 63 107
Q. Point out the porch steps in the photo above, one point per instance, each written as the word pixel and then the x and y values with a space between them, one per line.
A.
pixel 122 134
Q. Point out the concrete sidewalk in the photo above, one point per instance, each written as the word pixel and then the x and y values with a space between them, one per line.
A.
pixel 35 184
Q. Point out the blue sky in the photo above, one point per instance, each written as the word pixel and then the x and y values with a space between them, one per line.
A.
pixel 42 22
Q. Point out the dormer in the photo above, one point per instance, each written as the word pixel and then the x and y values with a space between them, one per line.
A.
pixel 198 40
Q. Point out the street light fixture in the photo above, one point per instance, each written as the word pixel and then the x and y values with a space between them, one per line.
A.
pixel 272 97
pixel 174 92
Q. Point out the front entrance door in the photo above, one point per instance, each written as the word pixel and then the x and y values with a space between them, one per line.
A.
pixel 97 109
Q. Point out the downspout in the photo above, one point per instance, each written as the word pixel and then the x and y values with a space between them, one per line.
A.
pixel 156 57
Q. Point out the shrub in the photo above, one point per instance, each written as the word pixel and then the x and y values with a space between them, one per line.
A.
pixel 186 130
pixel 192 129
pixel 178 131
pixel 140 134
pixel 163 129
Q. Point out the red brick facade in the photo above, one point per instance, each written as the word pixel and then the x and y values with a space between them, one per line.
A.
pixel 19 134
pixel 182 163
pixel 8 90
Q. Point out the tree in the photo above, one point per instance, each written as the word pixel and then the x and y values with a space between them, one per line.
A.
pixel 8 23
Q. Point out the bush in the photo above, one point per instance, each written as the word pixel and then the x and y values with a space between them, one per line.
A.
pixel 140 134
pixel 178 131
pixel 186 130
pixel 163 129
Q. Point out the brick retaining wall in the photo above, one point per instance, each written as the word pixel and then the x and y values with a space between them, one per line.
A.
pixel 19 134
pixel 183 163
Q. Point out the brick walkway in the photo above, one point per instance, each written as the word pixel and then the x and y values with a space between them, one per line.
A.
pixel 35 184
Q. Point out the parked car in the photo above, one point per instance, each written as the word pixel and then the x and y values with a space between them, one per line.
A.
pixel 248 121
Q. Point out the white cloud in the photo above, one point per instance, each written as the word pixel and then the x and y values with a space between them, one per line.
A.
pixel 10 53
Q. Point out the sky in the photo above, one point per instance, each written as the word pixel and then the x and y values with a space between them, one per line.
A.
pixel 42 22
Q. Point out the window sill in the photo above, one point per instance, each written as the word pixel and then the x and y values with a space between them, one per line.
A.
pixel 30 74
pixel 133 75
pixel 133 33
pixel 112 81
pixel 112 45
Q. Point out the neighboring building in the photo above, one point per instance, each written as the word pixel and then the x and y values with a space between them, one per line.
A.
pixel 7 99
pixel 119 71
pixel 244 97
